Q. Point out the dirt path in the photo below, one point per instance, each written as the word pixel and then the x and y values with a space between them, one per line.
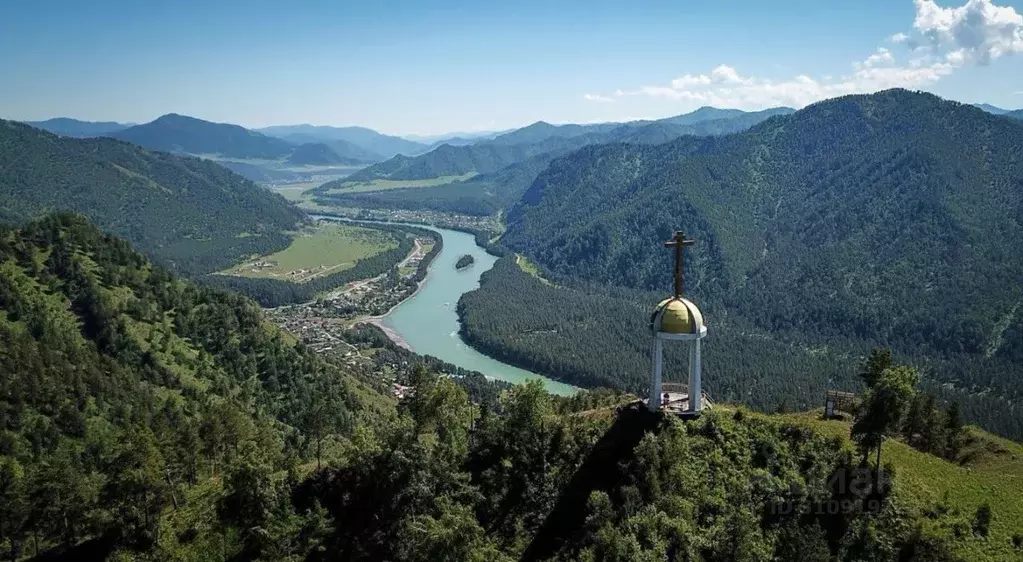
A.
pixel 417 251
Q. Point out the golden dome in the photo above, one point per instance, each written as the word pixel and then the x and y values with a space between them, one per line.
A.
pixel 676 315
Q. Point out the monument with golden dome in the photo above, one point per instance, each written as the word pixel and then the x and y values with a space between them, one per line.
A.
pixel 677 319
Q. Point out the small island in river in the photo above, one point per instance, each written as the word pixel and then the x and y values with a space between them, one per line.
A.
pixel 464 262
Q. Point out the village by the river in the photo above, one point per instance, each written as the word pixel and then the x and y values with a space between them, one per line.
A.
pixel 401 305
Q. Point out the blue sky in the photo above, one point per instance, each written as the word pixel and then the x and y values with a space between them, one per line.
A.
pixel 434 66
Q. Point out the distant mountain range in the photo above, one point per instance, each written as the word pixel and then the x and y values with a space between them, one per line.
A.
pixel 379 145
pixel 227 143
pixel 182 134
pixel 516 146
pixel 328 153
pixel 454 137
pixel 65 126
pixel 992 109
pixel 191 214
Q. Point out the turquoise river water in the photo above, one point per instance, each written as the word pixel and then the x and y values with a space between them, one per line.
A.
pixel 428 320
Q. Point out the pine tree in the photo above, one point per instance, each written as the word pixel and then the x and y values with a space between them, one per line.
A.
pixel 932 437
pixel 954 433
pixel 883 409
pixel 879 360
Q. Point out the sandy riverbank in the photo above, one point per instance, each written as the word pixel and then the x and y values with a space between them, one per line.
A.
pixel 378 321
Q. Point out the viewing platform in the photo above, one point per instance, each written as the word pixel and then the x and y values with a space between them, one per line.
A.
pixel 675 399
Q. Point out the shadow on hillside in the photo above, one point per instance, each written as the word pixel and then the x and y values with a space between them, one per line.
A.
pixel 600 471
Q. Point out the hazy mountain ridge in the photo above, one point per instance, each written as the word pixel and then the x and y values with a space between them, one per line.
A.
pixel 320 154
pixel 182 134
pixel 513 147
pixel 385 146
pixel 69 127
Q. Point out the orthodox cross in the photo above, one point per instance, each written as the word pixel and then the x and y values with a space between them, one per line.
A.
pixel 679 242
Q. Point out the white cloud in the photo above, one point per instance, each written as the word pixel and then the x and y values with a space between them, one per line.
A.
pixel 980 29
pixel 735 90
pixel 881 57
pixel 942 40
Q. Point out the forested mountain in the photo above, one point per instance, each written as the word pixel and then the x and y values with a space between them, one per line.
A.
pixel 318 154
pixel 145 417
pixel 882 217
pixel 353 152
pixel 191 214
pixel 480 195
pixel 724 121
pixel 543 138
pixel 68 127
pixel 385 146
pixel 1018 114
pixel 705 113
pixel 183 134
pixel 541 131
pixel 124 388
pixel 480 158
pixel 504 172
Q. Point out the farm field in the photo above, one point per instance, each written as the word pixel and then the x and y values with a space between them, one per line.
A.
pixel 385 184
pixel 321 250
pixel 294 191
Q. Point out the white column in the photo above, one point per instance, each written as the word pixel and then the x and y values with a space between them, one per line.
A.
pixel 695 392
pixel 655 382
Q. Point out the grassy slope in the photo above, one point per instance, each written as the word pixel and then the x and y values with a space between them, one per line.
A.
pixel 385 184
pixel 337 247
pixel 992 473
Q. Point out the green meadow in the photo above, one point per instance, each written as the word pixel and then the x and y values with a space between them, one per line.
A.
pixel 386 184
pixel 321 250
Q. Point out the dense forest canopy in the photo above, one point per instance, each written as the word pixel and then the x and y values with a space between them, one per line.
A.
pixel 148 417
pixel 884 217
pixel 143 416
pixel 592 337
pixel 191 214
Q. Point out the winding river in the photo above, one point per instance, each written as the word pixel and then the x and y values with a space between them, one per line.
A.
pixel 428 320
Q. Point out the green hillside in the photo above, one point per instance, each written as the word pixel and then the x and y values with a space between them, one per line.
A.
pixel 144 417
pixel 882 217
pixel 183 134
pixel 480 195
pixel 191 214
pixel 128 393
